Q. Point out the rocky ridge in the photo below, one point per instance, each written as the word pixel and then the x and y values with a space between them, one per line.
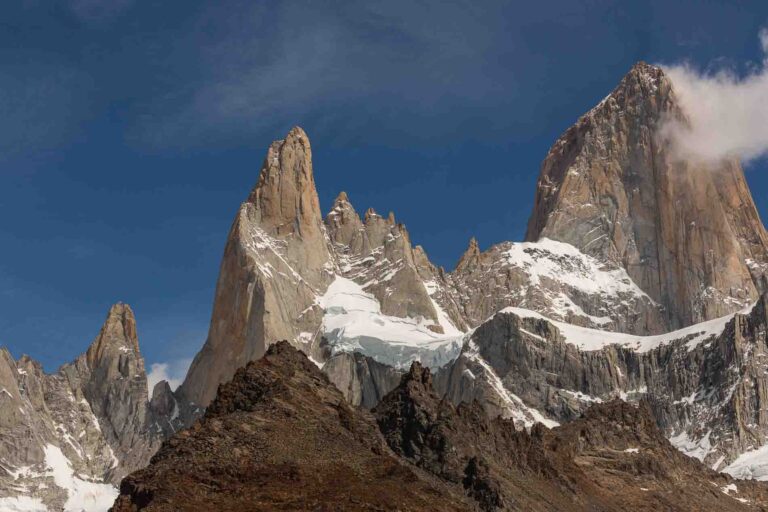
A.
pixel 279 436
pixel 704 384
pixel 68 438
pixel 622 239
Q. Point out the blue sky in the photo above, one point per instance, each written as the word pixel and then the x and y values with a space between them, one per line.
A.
pixel 131 130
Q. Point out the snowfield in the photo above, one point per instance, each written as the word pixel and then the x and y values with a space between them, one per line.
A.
pixel 82 494
pixel 353 322
pixel 565 264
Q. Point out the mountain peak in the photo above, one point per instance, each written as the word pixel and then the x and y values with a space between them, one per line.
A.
pixel 118 331
pixel 341 198
pixel 285 196
pixel 650 78
pixel 370 213
pixel 610 188
pixel 298 133
pixel 643 68
pixel 470 256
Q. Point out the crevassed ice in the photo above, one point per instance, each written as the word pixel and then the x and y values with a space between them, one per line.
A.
pixel 353 322
pixel 751 465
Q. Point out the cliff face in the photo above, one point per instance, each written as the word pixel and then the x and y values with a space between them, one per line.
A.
pixel 276 262
pixel 555 279
pixel 69 437
pixel 688 234
pixel 377 252
pixel 704 384
pixel 280 259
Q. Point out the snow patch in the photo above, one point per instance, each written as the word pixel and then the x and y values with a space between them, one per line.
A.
pixel 564 263
pixel 22 504
pixel 442 317
pixel 582 396
pixel 81 494
pixel 698 449
pixel 593 339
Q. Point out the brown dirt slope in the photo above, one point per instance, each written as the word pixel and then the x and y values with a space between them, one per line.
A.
pixel 614 458
pixel 281 437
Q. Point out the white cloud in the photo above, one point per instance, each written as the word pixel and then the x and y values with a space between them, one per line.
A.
pixel 726 112
pixel 173 372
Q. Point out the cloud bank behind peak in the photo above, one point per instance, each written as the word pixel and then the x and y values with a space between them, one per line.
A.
pixel 726 112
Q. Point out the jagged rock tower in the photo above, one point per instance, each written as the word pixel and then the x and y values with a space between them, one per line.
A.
pixel 276 262
pixel 280 258
pixel 688 234
pixel 70 437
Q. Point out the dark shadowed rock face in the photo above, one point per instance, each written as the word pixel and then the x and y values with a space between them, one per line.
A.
pixel 613 458
pixel 361 379
pixel 279 436
pixel 705 389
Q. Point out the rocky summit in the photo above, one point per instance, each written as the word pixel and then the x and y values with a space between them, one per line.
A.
pixel 70 437
pixel 280 436
pixel 623 238
pixel 615 359
pixel 687 233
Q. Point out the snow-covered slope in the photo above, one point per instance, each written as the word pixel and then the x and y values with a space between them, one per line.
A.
pixel 555 279
pixel 592 339
pixel 353 322
pixel 66 439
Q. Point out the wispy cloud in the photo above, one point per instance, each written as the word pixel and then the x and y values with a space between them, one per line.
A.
pixel 275 65
pixel 726 113
pixel 173 372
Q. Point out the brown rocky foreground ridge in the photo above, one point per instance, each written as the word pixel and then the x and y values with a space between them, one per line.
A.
pixel 280 436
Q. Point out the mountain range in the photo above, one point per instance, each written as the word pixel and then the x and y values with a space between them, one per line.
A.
pixel 631 320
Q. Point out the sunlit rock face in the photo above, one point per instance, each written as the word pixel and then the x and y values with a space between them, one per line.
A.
pixel 687 233
pixel 68 438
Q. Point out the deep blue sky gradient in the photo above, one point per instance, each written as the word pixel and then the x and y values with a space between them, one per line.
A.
pixel 131 130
